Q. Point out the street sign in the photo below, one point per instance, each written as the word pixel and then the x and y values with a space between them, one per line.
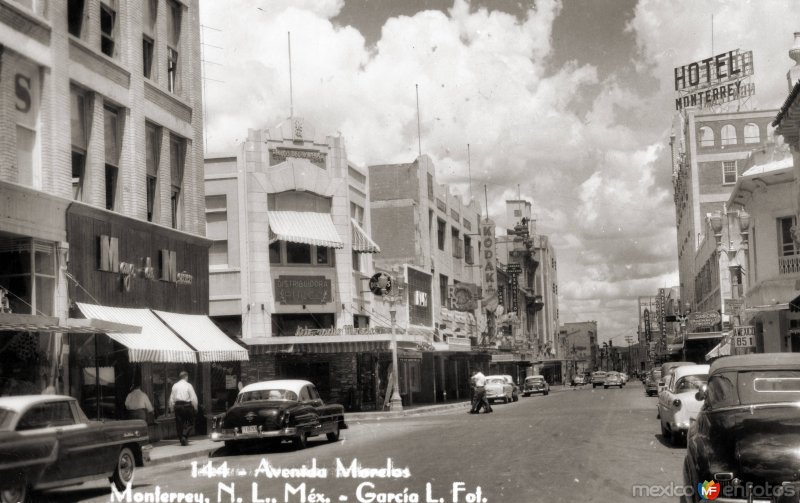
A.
pixel 705 319
pixel 380 283
pixel 744 337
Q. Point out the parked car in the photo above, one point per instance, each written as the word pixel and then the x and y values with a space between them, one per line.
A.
pixel 278 410
pixel 514 387
pixel 598 378
pixel 651 382
pixel 498 388
pixel 677 405
pixel 578 380
pixel 613 379
pixel 47 441
pixel 535 384
pixel 624 377
pixel 666 370
pixel 747 435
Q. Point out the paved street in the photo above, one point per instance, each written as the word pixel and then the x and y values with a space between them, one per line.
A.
pixel 589 445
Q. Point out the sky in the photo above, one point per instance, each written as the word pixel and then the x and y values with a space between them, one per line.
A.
pixel 568 102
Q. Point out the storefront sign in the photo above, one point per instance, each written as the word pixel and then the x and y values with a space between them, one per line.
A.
pixel 464 296
pixel 488 260
pixel 380 284
pixel 280 154
pixel 704 319
pixel 298 290
pixel 662 304
pixel 420 299
pixel 109 262
pixel 514 271
pixel 715 80
pixel 744 337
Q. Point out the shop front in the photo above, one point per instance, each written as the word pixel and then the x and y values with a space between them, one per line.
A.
pixel 129 272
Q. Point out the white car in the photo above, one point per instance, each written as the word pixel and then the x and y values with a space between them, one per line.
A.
pixel 497 388
pixel 677 405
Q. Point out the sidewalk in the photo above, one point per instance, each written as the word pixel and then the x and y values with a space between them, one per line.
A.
pixel 167 451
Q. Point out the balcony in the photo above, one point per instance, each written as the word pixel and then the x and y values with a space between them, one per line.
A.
pixel 789 264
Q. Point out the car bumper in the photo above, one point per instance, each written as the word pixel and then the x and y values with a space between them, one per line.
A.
pixel 228 435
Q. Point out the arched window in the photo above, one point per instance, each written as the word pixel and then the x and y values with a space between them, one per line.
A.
pixel 728 135
pixel 751 133
pixel 706 137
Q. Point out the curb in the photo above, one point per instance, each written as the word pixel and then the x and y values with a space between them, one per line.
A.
pixel 376 416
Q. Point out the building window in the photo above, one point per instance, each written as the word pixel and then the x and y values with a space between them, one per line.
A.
pixel 356 261
pixel 430 187
pixel 323 255
pixel 112 135
pixel 75 17
pixel 26 155
pixel 177 159
pixel 706 137
pixel 443 289
pixel 173 42
pixel 28 273
pixel 153 155
pixel 357 213
pixel 728 172
pixel 298 253
pixel 108 21
pixel 440 230
pixel 786 246
pixel 728 135
pixel 217 229
pixel 275 252
pixel 456 243
pixel 751 133
pixel 147 56
pixel 78 132
pixel 468 257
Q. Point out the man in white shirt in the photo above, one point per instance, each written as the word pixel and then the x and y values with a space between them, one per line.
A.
pixel 183 401
pixel 479 395
pixel 138 404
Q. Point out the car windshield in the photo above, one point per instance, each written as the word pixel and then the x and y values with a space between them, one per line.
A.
pixel 267 394
pixel 690 383
pixel 535 379
pixel 495 380
pixel 6 418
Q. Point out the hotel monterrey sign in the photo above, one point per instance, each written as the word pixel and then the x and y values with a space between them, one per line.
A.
pixel 716 80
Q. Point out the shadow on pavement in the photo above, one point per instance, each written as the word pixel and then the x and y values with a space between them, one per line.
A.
pixel 665 441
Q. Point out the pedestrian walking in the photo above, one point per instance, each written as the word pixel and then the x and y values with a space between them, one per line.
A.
pixel 137 404
pixel 183 401
pixel 479 396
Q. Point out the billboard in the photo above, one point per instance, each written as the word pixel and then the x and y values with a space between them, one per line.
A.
pixel 716 80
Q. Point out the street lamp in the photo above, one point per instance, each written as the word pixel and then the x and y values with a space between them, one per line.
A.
pixel 396 402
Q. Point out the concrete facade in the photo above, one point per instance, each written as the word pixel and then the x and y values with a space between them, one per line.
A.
pixel 579 346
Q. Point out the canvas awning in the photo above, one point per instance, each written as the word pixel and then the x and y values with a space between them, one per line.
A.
pixel 202 334
pixel 304 227
pixel 721 349
pixel 156 343
pixel 15 322
pixel 361 241
pixel 333 343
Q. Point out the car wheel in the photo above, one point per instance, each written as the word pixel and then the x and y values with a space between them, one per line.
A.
pixel 333 436
pixel 546 393
pixel 126 465
pixel 605 387
pixel 515 398
pixel 665 434
pixel 526 395
pixel 300 441
pixel 16 493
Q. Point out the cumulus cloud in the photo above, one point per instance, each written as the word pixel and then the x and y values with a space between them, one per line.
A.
pixel 591 153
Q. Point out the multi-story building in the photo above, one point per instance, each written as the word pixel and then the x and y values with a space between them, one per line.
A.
pixel 101 170
pixel 290 263
pixel 429 237
pixel 579 347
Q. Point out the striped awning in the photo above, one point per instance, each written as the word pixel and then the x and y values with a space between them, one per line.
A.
pixel 304 227
pixel 156 343
pixel 361 241
pixel 333 343
pixel 200 332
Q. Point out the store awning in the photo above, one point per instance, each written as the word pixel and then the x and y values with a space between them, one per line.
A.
pixel 14 322
pixel 362 243
pixel 201 333
pixel 721 349
pixel 693 336
pixel 333 343
pixel 156 343
pixel 304 227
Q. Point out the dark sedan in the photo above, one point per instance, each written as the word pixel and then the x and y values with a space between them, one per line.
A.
pixel 278 410
pixel 535 384
pixel 47 441
pixel 747 434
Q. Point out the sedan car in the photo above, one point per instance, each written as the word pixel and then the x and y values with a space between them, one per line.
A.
pixel 278 410
pixel 613 379
pixel 514 387
pixel 535 384
pixel 47 441
pixel 651 382
pixel 497 388
pixel 747 433
pixel 598 378
pixel 579 380
pixel 677 405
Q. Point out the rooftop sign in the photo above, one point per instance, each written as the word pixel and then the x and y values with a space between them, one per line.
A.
pixel 715 80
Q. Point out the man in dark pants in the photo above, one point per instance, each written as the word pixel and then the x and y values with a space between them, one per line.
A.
pixel 479 396
pixel 183 401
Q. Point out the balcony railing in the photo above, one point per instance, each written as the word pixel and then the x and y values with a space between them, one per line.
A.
pixel 789 264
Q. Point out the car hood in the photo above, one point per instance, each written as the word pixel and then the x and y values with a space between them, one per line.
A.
pixel 767 442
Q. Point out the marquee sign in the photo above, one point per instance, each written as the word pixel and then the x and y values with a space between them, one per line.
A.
pixel 488 259
pixel 297 290
pixel 715 80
